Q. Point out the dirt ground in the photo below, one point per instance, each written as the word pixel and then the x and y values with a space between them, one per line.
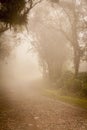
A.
pixel 27 108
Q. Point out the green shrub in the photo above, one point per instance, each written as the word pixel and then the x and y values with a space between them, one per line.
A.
pixel 83 76
pixel 73 86
pixel 84 90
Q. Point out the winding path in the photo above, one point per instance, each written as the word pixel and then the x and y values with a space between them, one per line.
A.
pixel 28 109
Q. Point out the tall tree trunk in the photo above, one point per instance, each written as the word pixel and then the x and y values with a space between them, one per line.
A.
pixel 76 61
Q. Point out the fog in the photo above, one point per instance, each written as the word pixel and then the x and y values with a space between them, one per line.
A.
pixel 44 26
pixel 43 65
pixel 20 67
pixel 23 65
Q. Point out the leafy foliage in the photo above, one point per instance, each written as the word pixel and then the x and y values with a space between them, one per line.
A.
pixel 72 85
pixel 13 12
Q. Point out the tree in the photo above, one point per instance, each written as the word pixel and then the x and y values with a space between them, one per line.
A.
pixel 13 13
pixel 49 43
pixel 76 18
pixel 75 15
pixel 52 54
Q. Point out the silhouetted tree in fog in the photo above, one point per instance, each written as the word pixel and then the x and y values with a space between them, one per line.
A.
pixel 76 16
pixel 13 13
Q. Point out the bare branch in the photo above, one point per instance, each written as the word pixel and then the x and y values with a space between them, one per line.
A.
pixel 37 3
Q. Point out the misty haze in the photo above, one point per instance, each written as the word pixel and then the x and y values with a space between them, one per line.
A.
pixel 43 65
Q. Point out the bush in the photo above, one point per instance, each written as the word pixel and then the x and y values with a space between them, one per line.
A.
pixel 71 85
pixel 83 76
pixel 84 90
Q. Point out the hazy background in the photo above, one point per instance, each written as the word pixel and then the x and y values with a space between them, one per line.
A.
pixel 22 66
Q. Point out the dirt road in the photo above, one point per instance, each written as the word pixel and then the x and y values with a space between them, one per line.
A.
pixel 27 109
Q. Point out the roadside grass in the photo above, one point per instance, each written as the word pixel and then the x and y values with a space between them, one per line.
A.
pixel 55 94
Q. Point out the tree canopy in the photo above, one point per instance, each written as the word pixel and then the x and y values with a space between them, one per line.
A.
pixel 13 12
